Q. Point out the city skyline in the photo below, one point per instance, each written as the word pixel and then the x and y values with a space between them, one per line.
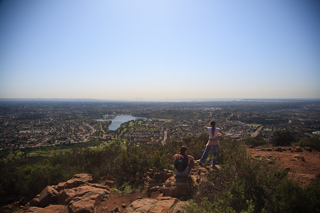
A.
pixel 159 50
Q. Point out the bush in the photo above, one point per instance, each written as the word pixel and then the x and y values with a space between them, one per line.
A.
pixel 282 138
pixel 313 142
pixel 257 141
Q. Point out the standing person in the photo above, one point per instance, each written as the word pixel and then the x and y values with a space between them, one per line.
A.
pixel 182 162
pixel 213 142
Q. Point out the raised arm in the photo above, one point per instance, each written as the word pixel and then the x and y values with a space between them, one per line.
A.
pixel 207 125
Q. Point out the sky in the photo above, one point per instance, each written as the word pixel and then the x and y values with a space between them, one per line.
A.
pixel 159 49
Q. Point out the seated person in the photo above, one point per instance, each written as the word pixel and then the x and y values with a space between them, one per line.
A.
pixel 182 162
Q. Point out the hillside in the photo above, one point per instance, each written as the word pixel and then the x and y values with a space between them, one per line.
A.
pixel 243 182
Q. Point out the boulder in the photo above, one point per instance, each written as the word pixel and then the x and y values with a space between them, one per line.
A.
pixel 297 149
pixel 60 186
pixel 33 209
pixel 99 186
pixel 142 205
pixel 35 201
pixel 47 196
pixel 77 180
pixel 166 174
pixel 85 205
pixel 165 204
pixel 176 187
pixel 48 209
pixel 65 196
pixel 202 171
pixel 179 208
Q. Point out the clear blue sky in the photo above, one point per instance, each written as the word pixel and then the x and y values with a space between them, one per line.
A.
pixel 154 49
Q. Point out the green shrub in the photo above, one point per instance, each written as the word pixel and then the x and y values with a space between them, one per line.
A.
pixel 254 142
pixel 282 138
pixel 313 142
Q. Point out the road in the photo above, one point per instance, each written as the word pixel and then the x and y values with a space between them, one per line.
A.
pixel 256 133
pixel 164 141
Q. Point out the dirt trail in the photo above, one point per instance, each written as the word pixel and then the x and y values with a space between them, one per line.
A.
pixel 118 200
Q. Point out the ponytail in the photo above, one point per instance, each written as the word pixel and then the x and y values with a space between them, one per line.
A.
pixel 213 125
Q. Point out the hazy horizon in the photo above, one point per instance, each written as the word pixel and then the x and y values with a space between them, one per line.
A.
pixel 160 50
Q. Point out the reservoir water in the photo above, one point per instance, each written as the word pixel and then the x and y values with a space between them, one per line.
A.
pixel 120 119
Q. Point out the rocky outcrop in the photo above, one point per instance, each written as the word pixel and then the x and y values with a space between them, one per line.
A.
pixel 68 195
pixel 77 180
pixel 78 193
pixel 162 193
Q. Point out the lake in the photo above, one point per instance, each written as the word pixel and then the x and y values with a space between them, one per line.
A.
pixel 120 119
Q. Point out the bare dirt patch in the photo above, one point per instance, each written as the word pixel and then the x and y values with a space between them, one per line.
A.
pixel 303 166
pixel 118 200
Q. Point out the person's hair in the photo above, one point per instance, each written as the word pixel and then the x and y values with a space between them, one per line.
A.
pixel 183 149
pixel 213 125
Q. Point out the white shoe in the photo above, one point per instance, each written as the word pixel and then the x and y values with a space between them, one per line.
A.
pixel 199 162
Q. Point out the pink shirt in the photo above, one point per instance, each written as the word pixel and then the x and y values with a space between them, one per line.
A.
pixel 215 140
pixel 216 132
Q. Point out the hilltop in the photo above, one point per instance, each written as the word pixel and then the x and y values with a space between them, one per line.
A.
pixel 133 177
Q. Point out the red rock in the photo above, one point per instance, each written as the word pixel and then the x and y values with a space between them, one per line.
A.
pixel 142 205
pixel 60 186
pixel 77 180
pixel 33 210
pixel 166 175
pixel 35 201
pixel 157 175
pixel 55 209
pixel 179 207
pixel 298 149
pixel 175 188
pixel 47 196
pixel 299 157
pixel 98 186
pixel 85 205
pixel 164 205
pixel 150 174
pixel 65 196
pixel 48 209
